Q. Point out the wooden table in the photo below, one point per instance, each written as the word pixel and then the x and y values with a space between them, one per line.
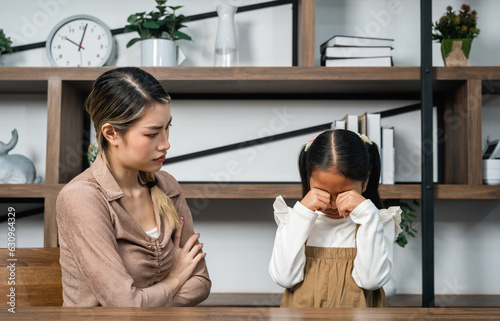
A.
pixel 243 314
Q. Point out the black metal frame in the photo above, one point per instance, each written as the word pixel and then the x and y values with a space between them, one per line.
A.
pixel 426 75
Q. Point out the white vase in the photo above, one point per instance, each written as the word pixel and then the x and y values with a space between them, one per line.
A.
pixel 390 288
pixel 226 49
pixel 158 53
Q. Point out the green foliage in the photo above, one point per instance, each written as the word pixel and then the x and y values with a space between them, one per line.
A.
pixel 5 43
pixel 456 26
pixel 407 217
pixel 92 153
pixel 163 23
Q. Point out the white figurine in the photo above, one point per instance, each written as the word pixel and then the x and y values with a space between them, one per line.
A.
pixel 16 169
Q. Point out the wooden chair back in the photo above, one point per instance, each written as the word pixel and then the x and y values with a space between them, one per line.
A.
pixel 34 275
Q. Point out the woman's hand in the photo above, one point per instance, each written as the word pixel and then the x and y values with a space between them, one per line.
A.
pixel 316 200
pixel 347 201
pixel 186 260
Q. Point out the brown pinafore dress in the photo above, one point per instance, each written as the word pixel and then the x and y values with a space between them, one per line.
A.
pixel 328 282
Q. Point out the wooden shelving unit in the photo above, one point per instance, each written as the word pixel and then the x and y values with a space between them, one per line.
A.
pixel 459 88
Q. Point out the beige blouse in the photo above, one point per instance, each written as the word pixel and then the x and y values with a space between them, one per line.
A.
pixel 107 259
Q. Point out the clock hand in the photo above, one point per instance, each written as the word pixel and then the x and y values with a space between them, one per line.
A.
pixel 73 42
pixel 84 30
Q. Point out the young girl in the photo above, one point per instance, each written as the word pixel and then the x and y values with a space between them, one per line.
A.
pixel 125 230
pixel 334 248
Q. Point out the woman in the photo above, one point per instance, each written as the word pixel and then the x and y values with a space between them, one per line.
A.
pixel 125 230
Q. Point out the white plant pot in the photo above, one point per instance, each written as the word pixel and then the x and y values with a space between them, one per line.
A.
pixel 158 53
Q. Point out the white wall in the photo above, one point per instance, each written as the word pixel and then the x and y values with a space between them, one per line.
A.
pixel 238 234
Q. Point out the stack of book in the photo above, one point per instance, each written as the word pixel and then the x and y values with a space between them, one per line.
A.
pixel 370 125
pixel 347 51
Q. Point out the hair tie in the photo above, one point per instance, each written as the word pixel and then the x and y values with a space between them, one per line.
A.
pixel 309 143
pixel 152 184
pixel 365 139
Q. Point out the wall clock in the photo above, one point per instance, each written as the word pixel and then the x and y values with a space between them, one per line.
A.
pixel 80 41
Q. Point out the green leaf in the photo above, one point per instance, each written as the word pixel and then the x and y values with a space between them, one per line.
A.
pixel 133 41
pixel 131 28
pixel 401 240
pixel 181 35
pixel 132 19
pixel 152 25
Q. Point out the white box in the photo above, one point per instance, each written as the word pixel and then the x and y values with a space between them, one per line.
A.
pixel 491 171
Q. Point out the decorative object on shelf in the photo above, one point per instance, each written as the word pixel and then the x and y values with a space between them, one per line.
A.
pixel 81 41
pixel 406 225
pixel 407 217
pixel 226 49
pixel 5 43
pixel 158 31
pixel 491 171
pixel 455 33
pixel 16 169
pixel 92 152
pixel 491 162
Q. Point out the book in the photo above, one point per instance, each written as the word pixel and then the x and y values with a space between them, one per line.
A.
pixel 351 122
pixel 356 52
pixel 388 155
pixel 369 124
pixel 351 41
pixel 339 124
pixel 408 144
pixel 357 62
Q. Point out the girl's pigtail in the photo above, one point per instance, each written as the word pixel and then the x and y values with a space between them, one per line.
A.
pixel 303 171
pixel 371 191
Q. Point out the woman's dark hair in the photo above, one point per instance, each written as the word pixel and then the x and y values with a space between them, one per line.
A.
pixel 121 97
pixel 345 151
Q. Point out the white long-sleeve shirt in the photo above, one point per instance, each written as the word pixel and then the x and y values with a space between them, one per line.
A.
pixel 300 226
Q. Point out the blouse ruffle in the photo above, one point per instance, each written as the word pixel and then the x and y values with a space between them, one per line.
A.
pixel 281 211
pixel 393 212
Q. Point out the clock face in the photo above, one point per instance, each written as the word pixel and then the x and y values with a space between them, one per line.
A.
pixel 80 42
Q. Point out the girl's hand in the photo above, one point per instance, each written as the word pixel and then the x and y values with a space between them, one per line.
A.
pixel 316 200
pixel 186 259
pixel 347 201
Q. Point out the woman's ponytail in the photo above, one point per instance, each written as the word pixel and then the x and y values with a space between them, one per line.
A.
pixel 371 191
pixel 161 201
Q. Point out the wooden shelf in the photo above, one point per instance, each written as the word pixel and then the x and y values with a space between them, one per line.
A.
pixel 271 190
pixel 262 80
pixel 29 190
pixel 399 300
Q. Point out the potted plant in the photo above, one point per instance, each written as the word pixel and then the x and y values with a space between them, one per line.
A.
pixel 455 33
pixel 158 31
pixel 407 216
pixel 5 43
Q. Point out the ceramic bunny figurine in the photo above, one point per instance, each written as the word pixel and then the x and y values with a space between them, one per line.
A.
pixel 16 169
